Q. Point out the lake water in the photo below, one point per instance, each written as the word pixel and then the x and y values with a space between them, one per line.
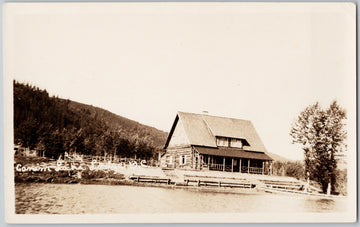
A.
pixel 38 198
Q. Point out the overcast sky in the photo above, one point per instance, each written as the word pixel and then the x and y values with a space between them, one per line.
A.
pixel 260 62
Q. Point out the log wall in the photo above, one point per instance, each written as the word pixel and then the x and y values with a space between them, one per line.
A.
pixel 172 157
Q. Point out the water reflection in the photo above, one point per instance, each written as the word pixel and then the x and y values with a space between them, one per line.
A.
pixel 78 199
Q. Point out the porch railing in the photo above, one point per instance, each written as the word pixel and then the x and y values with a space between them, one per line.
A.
pixel 220 167
pixel 255 170
pixel 216 167
pixel 244 169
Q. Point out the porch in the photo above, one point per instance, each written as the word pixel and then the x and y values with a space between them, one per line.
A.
pixel 234 164
pixel 233 160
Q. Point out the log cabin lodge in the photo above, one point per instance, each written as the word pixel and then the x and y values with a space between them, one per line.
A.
pixel 201 141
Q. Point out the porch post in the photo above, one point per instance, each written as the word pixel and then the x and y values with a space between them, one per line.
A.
pixel 232 164
pixel 248 165
pixel 262 167
pixel 209 161
pixel 240 166
pixel 224 164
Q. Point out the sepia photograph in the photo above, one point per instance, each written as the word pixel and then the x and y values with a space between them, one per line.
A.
pixel 180 112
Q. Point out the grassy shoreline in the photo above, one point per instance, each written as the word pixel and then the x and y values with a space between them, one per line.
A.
pixel 125 182
pixel 43 170
pixel 33 174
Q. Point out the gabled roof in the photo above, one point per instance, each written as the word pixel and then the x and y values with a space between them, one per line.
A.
pixel 201 130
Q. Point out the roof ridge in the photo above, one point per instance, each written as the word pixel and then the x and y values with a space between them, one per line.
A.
pixel 232 118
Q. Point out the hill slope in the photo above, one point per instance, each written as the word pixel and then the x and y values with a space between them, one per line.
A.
pixel 57 125
pixel 118 123
pixel 278 158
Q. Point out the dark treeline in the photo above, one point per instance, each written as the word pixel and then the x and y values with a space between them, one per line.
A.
pixel 56 125
pixel 289 168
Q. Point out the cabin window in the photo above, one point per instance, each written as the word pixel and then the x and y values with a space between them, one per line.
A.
pixel 170 160
pixel 182 159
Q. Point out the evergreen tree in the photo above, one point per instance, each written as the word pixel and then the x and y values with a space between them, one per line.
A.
pixel 55 125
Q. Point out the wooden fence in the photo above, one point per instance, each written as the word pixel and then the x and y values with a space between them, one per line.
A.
pixel 151 179
pixel 112 159
pixel 191 182
pixel 219 184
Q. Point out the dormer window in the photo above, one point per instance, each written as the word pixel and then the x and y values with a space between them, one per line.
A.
pixel 229 142
pixel 222 141
pixel 236 143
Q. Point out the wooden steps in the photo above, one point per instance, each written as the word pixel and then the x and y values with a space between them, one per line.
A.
pixel 288 186
pixel 297 192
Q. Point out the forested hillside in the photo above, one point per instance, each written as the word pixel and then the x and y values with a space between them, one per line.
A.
pixel 57 125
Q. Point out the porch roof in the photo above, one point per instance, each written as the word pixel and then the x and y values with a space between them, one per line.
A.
pixel 232 152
